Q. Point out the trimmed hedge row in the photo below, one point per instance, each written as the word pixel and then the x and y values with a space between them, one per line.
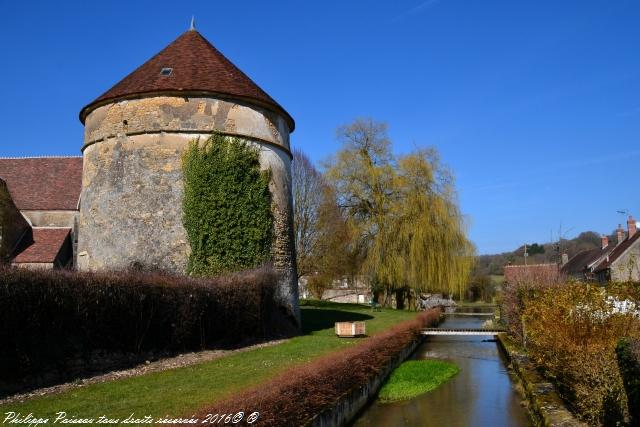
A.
pixel 628 355
pixel 296 396
pixel 53 321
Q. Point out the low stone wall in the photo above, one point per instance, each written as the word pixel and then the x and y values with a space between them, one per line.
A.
pixel 546 407
pixel 345 410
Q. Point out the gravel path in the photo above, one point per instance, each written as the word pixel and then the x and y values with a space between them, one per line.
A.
pixel 179 361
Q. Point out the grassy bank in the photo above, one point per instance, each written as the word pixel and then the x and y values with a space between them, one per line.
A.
pixel 327 386
pixel 182 391
pixel 416 377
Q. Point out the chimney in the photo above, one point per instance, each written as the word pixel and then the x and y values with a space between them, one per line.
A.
pixel 565 259
pixel 631 226
pixel 605 241
pixel 620 233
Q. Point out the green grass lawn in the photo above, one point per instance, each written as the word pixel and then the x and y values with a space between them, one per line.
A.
pixel 416 377
pixel 180 392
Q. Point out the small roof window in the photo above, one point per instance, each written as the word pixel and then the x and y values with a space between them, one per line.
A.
pixel 166 71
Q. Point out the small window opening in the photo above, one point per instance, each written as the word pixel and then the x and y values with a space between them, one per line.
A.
pixel 166 71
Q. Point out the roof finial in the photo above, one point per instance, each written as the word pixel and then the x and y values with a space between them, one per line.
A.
pixel 193 24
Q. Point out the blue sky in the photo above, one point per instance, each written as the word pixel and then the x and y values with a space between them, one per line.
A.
pixel 534 104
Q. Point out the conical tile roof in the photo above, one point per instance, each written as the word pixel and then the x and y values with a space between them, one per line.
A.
pixel 197 68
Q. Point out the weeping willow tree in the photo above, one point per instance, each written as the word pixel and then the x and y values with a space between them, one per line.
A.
pixel 432 252
pixel 406 212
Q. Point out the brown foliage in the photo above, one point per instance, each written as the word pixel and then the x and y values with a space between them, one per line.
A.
pixel 317 284
pixel 572 335
pixel 293 398
pixel 524 285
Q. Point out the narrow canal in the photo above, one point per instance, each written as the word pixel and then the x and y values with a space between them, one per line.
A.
pixel 480 395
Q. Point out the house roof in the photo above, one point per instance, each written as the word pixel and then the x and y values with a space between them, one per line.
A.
pixel 42 245
pixel 544 272
pixel 43 183
pixel 617 252
pixel 196 68
pixel 582 260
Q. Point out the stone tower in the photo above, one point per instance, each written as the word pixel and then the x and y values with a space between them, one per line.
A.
pixel 135 133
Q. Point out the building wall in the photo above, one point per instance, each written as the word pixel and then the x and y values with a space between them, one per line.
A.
pixel 67 219
pixel 12 224
pixel 355 296
pixel 35 265
pixel 132 189
pixel 51 218
pixel 627 267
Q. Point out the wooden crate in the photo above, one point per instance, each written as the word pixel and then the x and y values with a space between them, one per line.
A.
pixel 350 329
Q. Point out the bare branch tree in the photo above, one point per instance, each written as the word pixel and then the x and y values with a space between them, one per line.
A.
pixel 308 186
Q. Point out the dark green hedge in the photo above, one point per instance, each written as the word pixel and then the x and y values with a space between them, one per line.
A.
pixel 628 354
pixel 51 321
pixel 227 206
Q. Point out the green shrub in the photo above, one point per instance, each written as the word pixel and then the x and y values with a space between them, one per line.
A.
pixel 227 206
pixel 416 377
pixel 54 322
pixel 628 353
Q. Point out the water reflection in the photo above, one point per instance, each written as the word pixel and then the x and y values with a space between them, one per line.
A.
pixel 480 395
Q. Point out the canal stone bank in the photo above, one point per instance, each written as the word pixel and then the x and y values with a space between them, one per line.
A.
pixel 546 407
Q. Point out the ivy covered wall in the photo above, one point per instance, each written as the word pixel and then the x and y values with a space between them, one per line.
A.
pixel 227 206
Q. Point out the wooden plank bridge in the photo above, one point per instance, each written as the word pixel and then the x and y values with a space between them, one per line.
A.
pixel 477 331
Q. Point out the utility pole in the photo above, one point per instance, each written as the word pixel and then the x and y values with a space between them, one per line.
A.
pixel 526 255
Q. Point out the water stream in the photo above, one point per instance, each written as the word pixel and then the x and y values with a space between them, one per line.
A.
pixel 480 395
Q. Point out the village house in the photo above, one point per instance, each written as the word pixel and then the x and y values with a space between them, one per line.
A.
pixel 612 261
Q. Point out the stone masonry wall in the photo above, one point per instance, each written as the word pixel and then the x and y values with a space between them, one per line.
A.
pixel 51 218
pixel 627 267
pixel 131 202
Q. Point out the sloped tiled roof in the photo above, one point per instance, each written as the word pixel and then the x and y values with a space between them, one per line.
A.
pixel 544 272
pixel 42 245
pixel 617 252
pixel 579 263
pixel 43 183
pixel 197 67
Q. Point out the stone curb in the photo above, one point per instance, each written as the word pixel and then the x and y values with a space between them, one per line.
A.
pixel 546 407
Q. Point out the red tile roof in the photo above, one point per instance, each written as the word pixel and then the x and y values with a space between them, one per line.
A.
pixel 43 183
pixel 42 246
pixel 535 272
pixel 582 261
pixel 197 68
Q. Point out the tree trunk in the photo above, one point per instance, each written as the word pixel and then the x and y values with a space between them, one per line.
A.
pixel 400 298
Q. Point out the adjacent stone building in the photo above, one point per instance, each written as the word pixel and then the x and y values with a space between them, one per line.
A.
pixel 130 209
pixel 39 210
pixel 613 261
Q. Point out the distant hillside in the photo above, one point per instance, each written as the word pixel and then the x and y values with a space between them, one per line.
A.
pixel 538 253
